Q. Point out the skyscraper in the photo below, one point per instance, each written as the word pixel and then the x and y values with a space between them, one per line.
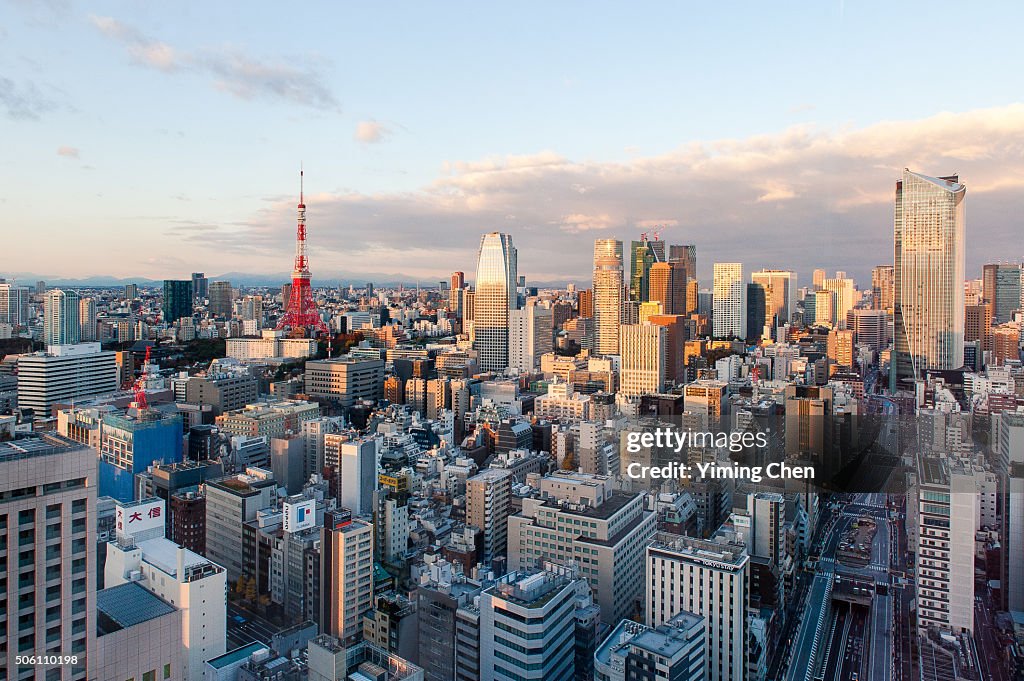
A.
pixel 60 318
pixel 643 254
pixel 843 298
pixel 48 506
pixel 882 287
pixel 177 299
pixel 607 295
pixel 458 281
pixel 667 285
pixel 221 297
pixel 780 295
pixel 488 506
pixel 346 573
pixel 496 295
pixel 1002 289
pixel 928 275
pixel 818 279
pixel 199 285
pixel 644 350
pixel 730 301
pixel 13 304
pixel 531 330
pixel 87 319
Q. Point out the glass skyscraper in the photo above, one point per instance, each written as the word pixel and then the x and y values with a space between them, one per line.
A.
pixel 928 276
pixel 495 296
pixel 177 299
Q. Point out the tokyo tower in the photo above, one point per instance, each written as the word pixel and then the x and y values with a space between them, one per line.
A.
pixel 301 314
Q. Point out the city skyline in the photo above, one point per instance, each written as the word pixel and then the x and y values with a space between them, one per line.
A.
pixel 399 178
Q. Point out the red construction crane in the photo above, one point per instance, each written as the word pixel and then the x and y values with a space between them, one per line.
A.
pixel 139 387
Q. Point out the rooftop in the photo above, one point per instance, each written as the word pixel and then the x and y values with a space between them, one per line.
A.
pixel 236 655
pixel 36 445
pixel 127 605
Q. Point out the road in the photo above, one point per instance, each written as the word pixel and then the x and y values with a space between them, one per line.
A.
pixel 254 628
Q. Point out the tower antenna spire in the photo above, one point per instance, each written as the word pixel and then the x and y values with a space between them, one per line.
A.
pixel 302 182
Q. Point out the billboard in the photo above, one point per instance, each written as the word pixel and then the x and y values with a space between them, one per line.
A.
pixel 141 516
pixel 299 516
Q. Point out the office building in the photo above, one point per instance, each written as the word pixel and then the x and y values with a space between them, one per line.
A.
pixel 871 328
pixel 87 320
pixel 221 299
pixel 1009 466
pixel 354 461
pixel 758 323
pixel 64 373
pixel 673 651
pixel 528 626
pixel 667 285
pixel 270 419
pixel 332 660
pixel 580 517
pixel 947 499
pixel 729 301
pixel 60 318
pixel 346 379
pixel 708 579
pixel 530 335
pixel 818 279
pixel 840 347
pixel 138 635
pixel 882 287
pixel 200 285
pixel 978 324
pixel 607 297
pixel 271 343
pixel 222 391
pixel 495 297
pixel 780 295
pixel 13 304
pixel 488 505
pixel 178 300
pixel 193 584
pixel 842 299
pixel 643 254
pixel 47 509
pixel 131 443
pixel 929 276
pixel 1006 344
pixel 1001 288
pixel 585 303
pixel 346 574
pixel 644 350
pixel 230 503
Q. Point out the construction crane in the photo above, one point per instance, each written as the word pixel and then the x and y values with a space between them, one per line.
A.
pixel 139 386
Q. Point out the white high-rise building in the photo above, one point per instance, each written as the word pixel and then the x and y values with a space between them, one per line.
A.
pixel 708 579
pixel 495 297
pixel 607 295
pixel 947 498
pixel 843 299
pixel 528 626
pixel 929 276
pixel 63 373
pixel 530 335
pixel 730 301
pixel 60 318
pixel 13 304
pixel 191 583
pixel 644 349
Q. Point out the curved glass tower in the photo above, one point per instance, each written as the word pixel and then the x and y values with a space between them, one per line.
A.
pixel 495 295
pixel 928 276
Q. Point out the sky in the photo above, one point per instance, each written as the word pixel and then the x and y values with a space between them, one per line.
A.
pixel 153 140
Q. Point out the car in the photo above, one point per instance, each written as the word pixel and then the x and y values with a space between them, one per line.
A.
pixel 239 619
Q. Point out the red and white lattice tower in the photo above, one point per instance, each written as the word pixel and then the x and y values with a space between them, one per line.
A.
pixel 301 311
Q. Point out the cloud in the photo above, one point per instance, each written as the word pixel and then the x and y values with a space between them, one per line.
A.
pixel 230 69
pixel 23 102
pixel 68 152
pixel 371 132
pixel 801 198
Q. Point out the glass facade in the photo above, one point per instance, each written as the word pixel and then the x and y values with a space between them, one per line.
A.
pixel 928 275
pixel 495 295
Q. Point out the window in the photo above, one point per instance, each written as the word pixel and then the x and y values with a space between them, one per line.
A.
pixel 53 511
pixel 27 516
pixel 149 676
pixel 167 671
pixel 78 506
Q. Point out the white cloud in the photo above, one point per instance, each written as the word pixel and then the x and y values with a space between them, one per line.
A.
pixel 801 198
pixel 371 132
pixel 231 70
